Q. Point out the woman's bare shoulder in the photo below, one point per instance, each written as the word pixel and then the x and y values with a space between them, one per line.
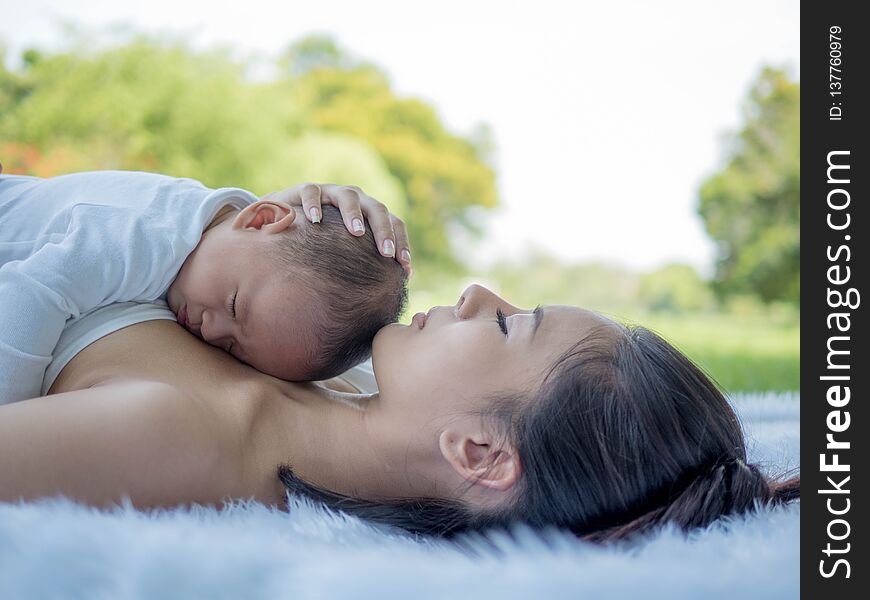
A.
pixel 143 440
pixel 228 406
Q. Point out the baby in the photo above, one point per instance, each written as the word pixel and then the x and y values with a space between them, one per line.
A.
pixel 296 300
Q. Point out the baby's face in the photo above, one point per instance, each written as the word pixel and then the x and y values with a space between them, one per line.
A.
pixel 231 293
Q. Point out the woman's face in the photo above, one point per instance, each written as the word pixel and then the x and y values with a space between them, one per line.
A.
pixel 453 358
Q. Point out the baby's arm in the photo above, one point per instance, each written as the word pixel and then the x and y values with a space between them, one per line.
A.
pixel 37 296
pixel 32 317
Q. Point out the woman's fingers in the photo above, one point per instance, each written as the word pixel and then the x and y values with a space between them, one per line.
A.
pixel 382 227
pixel 306 195
pixel 357 208
pixel 403 246
pixel 311 198
pixel 347 199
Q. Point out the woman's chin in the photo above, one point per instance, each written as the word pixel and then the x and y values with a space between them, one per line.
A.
pixel 386 332
pixel 388 341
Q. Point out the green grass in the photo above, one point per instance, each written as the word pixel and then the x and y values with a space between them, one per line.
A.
pixel 742 352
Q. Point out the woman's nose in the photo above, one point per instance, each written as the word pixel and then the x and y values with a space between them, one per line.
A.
pixel 476 299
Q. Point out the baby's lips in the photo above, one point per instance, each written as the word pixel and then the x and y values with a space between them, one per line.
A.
pixel 181 317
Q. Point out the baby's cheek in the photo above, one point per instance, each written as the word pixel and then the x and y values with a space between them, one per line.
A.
pixel 295 360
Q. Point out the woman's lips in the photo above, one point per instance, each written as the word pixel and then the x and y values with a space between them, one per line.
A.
pixel 419 320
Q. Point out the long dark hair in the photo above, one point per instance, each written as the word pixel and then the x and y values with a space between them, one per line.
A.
pixel 625 434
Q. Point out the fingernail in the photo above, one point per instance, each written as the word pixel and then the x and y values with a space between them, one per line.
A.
pixel 406 255
pixel 358 225
pixel 315 216
pixel 389 248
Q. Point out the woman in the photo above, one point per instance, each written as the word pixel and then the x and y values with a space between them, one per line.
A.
pixel 486 415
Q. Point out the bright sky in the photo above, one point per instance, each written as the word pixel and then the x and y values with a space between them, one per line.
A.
pixel 606 115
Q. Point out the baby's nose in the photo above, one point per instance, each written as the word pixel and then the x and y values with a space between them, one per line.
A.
pixel 211 329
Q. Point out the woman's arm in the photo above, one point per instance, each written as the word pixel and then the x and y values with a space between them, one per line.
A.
pixel 138 439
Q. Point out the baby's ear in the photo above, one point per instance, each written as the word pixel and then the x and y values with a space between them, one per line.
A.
pixel 269 216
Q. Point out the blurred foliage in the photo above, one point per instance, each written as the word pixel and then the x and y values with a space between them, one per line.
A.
pixel 752 206
pixel 543 279
pixel 157 105
pixel 143 106
pixel 605 287
pixel 675 288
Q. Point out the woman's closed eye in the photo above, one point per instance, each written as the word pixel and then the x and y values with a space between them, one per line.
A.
pixel 502 321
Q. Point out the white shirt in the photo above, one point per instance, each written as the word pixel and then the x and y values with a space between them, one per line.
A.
pixel 73 243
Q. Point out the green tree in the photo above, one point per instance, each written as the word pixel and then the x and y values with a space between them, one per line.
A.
pixel 752 206
pixel 337 158
pixel 146 105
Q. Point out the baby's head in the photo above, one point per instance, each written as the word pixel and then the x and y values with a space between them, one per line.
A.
pixel 300 302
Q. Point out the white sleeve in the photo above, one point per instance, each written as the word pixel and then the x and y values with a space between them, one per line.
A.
pixel 32 321
pixel 37 296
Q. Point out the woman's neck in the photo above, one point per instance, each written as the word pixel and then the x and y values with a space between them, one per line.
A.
pixel 325 437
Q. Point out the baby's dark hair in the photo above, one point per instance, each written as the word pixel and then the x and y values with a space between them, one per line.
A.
pixel 626 434
pixel 361 291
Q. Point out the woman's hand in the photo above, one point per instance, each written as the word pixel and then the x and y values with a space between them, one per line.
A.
pixel 356 208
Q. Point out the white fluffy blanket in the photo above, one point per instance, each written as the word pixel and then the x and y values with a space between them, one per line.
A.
pixel 60 550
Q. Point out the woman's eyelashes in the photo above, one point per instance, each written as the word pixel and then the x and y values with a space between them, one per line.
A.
pixel 502 321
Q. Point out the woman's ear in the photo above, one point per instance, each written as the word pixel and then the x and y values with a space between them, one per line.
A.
pixel 479 459
pixel 265 215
